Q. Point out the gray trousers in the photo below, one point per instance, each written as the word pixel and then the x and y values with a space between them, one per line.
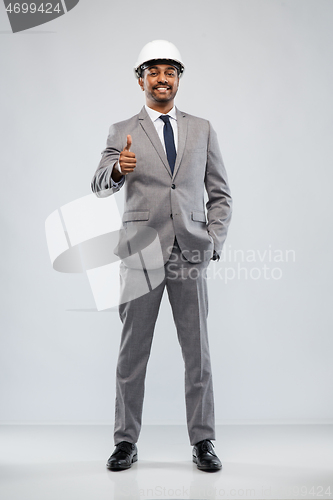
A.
pixel 186 285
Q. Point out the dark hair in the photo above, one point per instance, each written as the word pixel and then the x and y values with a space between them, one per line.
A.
pixel 152 62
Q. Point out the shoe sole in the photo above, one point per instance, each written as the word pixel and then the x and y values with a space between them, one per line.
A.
pixel 116 468
pixel 207 469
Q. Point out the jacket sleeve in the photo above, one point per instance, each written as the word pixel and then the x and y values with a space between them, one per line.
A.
pixel 102 184
pixel 219 205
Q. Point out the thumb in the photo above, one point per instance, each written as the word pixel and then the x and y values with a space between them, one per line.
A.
pixel 129 143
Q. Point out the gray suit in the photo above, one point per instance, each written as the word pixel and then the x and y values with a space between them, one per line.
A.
pixel 173 205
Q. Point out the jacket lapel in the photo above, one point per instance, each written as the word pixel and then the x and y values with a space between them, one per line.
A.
pixel 150 130
pixel 182 133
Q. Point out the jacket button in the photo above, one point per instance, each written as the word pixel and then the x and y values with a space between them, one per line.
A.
pixel 173 186
pixel 171 216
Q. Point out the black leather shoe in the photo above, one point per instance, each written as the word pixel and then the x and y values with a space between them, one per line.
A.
pixel 204 456
pixel 123 456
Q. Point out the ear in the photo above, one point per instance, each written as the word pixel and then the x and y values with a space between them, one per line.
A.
pixel 140 82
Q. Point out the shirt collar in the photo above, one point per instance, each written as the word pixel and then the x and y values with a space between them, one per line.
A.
pixel 154 115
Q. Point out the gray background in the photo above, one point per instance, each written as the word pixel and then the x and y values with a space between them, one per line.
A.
pixel 261 72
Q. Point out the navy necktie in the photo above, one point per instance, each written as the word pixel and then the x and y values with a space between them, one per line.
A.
pixel 169 141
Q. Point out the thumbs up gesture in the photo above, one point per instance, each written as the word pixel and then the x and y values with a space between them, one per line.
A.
pixel 127 160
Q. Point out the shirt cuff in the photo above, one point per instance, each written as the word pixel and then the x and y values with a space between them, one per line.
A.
pixel 115 184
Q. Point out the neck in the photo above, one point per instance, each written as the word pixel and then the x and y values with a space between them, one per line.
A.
pixel 161 107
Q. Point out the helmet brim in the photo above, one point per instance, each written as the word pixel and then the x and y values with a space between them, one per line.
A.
pixel 147 64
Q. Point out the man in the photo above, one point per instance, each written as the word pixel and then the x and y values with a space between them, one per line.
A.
pixel 165 159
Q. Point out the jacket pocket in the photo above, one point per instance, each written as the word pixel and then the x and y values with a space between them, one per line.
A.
pixel 198 216
pixel 135 216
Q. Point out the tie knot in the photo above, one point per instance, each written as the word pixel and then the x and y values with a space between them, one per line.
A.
pixel 165 118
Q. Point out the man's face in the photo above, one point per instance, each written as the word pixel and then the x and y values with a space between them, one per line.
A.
pixel 160 83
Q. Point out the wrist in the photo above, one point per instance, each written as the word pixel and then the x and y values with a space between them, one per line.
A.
pixel 116 172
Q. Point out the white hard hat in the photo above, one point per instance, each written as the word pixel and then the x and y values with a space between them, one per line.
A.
pixel 159 50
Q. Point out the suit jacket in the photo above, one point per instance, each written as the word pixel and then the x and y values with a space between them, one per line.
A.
pixel 172 205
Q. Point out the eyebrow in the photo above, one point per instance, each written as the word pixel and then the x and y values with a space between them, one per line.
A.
pixel 167 69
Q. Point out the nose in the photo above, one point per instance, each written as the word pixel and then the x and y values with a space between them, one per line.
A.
pixel 162 79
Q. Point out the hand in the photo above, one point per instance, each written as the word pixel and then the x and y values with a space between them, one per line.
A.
pixel 215 256
pixel 127 160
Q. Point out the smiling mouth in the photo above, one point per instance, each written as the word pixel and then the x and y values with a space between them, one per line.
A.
pixel 162 89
